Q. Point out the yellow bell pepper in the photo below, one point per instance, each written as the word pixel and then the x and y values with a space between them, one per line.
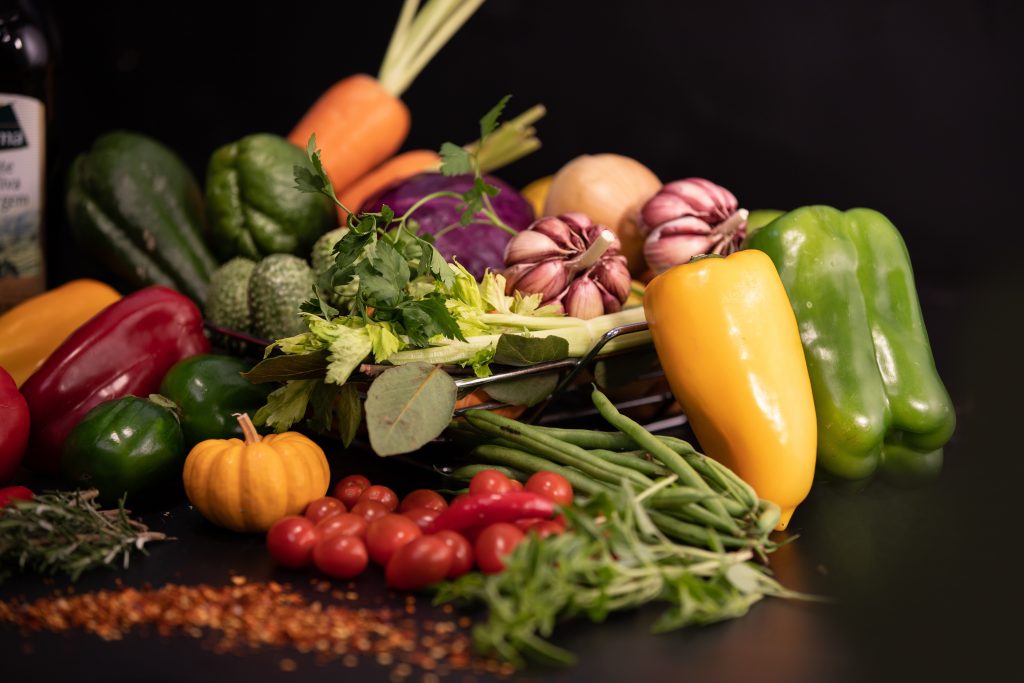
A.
pixel 728 341
pixel 33 329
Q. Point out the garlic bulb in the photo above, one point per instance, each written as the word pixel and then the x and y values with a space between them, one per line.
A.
pixel 688 218
pixel 570 261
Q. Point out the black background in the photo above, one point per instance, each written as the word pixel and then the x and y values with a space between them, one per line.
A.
pixel 912 108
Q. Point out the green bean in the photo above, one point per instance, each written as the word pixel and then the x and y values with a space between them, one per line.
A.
pixel 589 438
pixel 675 496
pixel 692 533
pixel 631 460
pixel 672 460
pixel 559 451
pixel 711 469
pixel 466 472
pixel 769 517
pixel 527 462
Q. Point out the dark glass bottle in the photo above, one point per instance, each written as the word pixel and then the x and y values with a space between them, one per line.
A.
pixel 26 76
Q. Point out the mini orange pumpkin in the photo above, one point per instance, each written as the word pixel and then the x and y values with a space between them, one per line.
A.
pixel 248 485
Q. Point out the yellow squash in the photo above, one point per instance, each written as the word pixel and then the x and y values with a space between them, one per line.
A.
pixel 728 341
pixel 248 485
pixel 31 331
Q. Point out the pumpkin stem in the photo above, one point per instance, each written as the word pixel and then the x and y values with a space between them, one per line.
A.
pixel 248 428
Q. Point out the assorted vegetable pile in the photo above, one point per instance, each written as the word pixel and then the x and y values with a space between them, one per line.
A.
pixel 384 290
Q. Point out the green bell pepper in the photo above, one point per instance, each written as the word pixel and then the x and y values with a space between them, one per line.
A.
pixel 208 389
pixel 253 206
pixel 127 446
pixel 880 403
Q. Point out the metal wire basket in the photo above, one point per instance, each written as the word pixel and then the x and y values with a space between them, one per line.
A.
pixel 632 377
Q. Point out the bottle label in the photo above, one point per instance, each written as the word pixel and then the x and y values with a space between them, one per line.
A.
pixel 22 155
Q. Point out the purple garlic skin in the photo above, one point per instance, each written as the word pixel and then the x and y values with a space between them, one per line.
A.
pixel 572 262
pixel 689 218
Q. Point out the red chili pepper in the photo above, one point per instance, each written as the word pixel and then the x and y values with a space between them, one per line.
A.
pixel 483 509
pixel 125 349
pixel 14 426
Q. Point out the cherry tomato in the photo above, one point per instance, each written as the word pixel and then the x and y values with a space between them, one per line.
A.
pixel 290 541
pixel 354 480
pixel 423 498
pixel 493 544
pixel 489 481
pixel 340 556
pixel 370 510
pixel 422 516
pixel 347 523
pixel 381 494
pixel 527 523
pixel 9 493
pixel 349 495
pixel 389 533
pixel 350 488
pixel 544 527
pixel 321 508
pixel 419 564
pixel 462 552
pixel 515 485
pixel 547 528
pixel 551 485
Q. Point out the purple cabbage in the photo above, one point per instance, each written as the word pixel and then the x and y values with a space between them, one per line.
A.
pixel 476 246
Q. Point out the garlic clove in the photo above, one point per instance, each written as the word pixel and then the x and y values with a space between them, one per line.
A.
pixel 613 275
pixel 664 249
pixel 546 278
pixel 609 301
pixel 583 299
pixel 531 246
pixel 558 231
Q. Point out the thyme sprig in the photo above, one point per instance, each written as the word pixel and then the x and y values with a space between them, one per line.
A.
pixel 66 532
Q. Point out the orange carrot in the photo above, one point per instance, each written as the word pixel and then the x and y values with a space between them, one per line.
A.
pixel 361 121
pixel 405 165
pixel 358 124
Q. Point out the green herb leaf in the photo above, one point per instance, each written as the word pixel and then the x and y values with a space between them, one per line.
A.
pixel 286 405
pixel 426 317
pixel 515 349
pixel 489 122
pixel 528 391
pixel 314 179
pixel 408 406
pixel 283 368
pixel 455 160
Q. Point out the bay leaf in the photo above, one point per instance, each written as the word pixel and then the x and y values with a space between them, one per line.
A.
pixel 526 391
pixel 287 367
pixel 348 413
pixel 515 349
pixel 408 406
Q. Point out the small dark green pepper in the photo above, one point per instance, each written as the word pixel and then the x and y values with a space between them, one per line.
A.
pixel 209 390
pixel 127 446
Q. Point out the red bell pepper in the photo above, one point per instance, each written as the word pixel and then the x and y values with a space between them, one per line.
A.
pixel 483 509
pixel 125 349
pixel 14 425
